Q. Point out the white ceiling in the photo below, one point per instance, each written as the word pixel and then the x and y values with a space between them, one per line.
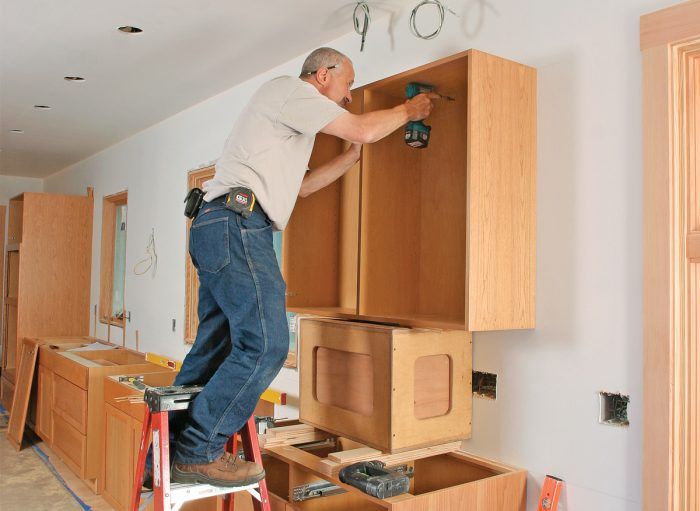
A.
pixel 189 50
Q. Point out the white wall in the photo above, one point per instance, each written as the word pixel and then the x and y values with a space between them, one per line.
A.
pixel 589 325
pixel 11 186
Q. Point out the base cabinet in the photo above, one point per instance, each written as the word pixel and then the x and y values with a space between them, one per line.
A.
pixel 456 481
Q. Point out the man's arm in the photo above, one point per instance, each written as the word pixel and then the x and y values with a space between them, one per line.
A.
pixel 372 126
pixel 322 176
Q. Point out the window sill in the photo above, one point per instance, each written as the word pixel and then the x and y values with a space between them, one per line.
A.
pixel 113 322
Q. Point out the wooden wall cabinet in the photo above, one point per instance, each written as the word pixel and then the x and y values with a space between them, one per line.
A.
pixel 48 290
pixel 437 237
pixel 390 388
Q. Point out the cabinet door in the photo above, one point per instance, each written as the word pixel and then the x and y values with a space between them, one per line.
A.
pixel 43 407
pixel 118 466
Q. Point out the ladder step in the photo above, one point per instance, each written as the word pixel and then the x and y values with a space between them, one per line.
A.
pixel 187 492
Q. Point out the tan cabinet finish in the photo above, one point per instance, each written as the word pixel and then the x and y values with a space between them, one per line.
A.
pixel 75 392
pixel 48 291
pixel 386 387
pixel 123 423
pixel 439 237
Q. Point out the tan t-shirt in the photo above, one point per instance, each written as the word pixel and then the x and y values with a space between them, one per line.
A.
pixel 269 147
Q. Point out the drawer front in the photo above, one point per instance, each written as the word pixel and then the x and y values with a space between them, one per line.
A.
pixel 7 391
pixel 71 371
pixel 70 445
pixel 70 402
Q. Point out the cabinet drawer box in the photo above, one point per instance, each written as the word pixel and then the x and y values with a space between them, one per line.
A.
pixel 70 444
pixel 66 366
pixel 70 402
pixel 390 388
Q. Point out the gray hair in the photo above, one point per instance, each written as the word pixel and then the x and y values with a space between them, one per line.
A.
pixel 321 57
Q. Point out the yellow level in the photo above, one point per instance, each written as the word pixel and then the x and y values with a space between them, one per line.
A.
pixel 271 396
pixel 163 361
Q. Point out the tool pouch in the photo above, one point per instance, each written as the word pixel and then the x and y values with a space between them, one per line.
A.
pixel 193 202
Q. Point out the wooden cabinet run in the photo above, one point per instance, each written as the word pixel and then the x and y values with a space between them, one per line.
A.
pixel 47 272
pixel 437 237
pixel 390 388
pixel 72 382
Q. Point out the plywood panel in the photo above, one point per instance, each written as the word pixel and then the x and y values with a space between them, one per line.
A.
pixel 432 376
pixel 391 209
pixel 320 243
pixel 345 380
pixel 502 176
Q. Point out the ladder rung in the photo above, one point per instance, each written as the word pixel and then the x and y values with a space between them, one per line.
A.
pixel 186 492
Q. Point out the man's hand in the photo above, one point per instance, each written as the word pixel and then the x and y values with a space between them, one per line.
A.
pixel 355 150
pixel 420 106
pixel 372 126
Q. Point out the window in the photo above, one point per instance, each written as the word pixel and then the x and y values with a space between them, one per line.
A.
pixel 113 261
pixel 197 178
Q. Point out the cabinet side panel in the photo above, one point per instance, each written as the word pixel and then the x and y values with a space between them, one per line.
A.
pixel 502 174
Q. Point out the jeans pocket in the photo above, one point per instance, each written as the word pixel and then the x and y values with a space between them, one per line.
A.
pixel 209 244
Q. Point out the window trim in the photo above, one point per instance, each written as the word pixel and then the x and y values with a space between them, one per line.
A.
pixel 109 214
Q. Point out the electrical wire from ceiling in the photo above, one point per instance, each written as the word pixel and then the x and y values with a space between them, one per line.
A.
pixel 361 8
pixel 441 8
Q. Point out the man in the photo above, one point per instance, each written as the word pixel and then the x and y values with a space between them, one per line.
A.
pixel 242 339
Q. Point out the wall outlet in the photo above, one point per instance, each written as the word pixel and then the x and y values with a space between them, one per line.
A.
pixel 484 384
pixel 613 409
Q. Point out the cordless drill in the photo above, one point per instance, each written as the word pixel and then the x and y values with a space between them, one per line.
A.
pixel 417 132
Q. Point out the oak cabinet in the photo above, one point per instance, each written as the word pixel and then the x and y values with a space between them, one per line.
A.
pixel 48 291
pixel 437 237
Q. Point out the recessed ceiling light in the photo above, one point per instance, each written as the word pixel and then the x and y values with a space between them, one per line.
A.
pixel 42 107
pixel 130 30
pixel 74 78
pixel 16 131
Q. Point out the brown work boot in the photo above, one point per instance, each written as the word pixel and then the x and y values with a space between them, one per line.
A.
pixel 228 470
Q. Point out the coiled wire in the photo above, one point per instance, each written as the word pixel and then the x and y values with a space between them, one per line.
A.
pixel 441 11
pixel 363 8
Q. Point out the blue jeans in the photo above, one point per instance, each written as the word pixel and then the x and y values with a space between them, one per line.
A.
pixel 243 338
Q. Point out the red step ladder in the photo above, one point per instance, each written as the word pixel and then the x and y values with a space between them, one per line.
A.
pixel 171 497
